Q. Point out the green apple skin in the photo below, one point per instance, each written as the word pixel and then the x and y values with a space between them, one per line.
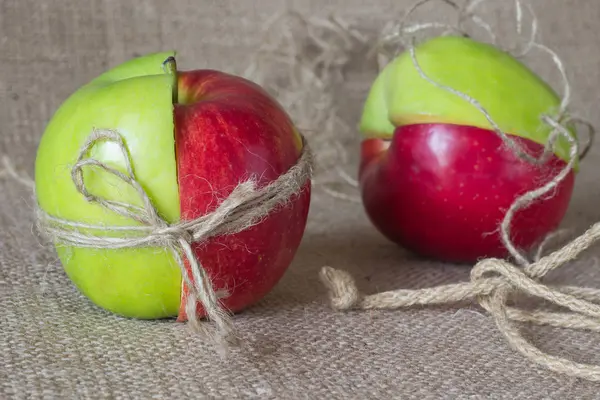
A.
pixel 136 99
pixel 514 96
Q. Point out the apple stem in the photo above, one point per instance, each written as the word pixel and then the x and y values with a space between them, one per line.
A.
pixel 170 67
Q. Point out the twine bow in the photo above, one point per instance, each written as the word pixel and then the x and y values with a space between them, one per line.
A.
pixel 244 207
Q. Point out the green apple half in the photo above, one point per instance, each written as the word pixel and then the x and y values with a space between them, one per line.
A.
pixel 141 102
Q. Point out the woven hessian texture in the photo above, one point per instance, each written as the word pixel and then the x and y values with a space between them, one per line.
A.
pixel 55 344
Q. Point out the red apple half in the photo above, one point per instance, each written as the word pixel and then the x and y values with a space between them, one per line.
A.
pixel 228 130
pixel 442 190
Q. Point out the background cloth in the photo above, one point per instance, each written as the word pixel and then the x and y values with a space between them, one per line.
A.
pixel 55 344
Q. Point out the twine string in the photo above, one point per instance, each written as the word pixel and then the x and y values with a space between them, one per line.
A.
pixel 246 206
pixel 495 282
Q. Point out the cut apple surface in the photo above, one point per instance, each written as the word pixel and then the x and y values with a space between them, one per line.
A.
pixel 192 137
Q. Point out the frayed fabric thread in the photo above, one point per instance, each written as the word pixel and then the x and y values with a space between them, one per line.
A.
pixel 246 206
pixel 494 282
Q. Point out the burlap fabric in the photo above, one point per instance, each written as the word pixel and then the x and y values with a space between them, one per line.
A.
pixel 55 344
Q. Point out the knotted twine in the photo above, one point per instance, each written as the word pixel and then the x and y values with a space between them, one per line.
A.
pixel 246 206
pixel 494 282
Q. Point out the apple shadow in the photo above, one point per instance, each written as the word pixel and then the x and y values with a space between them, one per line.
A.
pixel 375 263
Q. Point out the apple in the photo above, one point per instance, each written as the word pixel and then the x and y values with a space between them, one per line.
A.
pixel 192 136
pixel 434 175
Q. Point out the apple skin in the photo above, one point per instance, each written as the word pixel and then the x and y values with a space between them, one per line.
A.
pixel 513 95
pixel 228 129
pixel 185 162
pixel 134 98
pixel 442 190
pixel 434 176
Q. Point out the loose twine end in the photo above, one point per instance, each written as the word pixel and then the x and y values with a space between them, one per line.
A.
pixel 246 206
pixel 494 282
pixel 344 293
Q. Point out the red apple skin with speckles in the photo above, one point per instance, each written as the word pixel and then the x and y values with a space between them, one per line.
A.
pixel 442 191
pixel 228 130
